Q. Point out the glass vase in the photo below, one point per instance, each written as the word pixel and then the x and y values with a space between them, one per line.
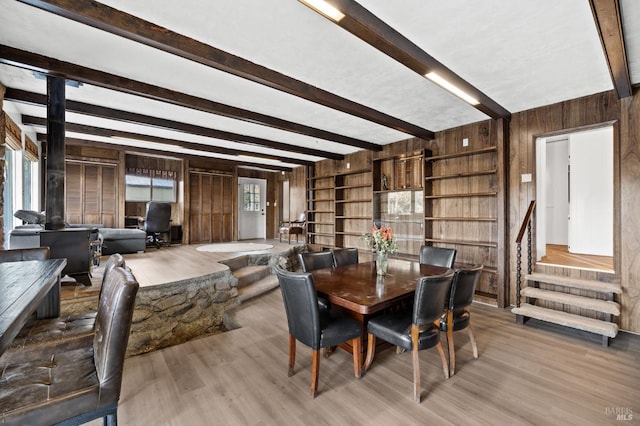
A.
pixel 382 262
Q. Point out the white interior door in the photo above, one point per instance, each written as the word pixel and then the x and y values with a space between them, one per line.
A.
pixel 557 200
pixel 252 203
pixel 591 192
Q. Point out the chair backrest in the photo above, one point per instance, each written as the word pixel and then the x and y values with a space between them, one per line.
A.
pixel 302 217
pixel 345 256
pixel 113 324
pixel 158 217
pixel 310 261
pixel 430 298
pixel 438 256
pixel 301 305
pixel 18 255
pixel 115 260
pixel 463 287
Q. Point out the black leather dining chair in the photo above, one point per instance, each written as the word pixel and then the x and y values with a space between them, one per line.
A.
pixel 77 386
pixel 310 261
pixel 344 256
pixel 458 316
pixel 307 325
pixel 414 330
pixel 438 256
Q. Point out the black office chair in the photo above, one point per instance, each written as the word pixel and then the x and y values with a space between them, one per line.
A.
pixel 77 386
pixel 414 330
pixel 438 256
pixel 344 256
pixel 306 325
pixel 457 315
pixel 157 221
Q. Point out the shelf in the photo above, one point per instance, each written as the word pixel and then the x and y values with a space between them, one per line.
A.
pixel 463 153
pixel 319 211
pixel 465 194
pixel 353 172
pixel 415 222
pixel 364 185
pixel 353 201
pixel 462 219
pixel 320 234
pixel 462 243
pixel 386 191
pixel 312 178
pixel 353 234
pixel 321 223
pixel 320 200
pixel 463 174
pixel 354 217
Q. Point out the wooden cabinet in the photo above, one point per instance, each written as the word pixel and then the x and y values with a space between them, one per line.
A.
pixel 91 193
pixel 321 210
pixel 398 199
pixel 339 208
pixel 352 207
pixel 461 209
pixel 210 207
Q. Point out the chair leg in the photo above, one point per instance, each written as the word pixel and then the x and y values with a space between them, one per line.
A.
pixel 357 356
pixel 450 345
pixel 445 368
pixel 292 354
pixel 110 419
pixel 371 351
pixel 315 372
pixel 474 346
pixel 416 363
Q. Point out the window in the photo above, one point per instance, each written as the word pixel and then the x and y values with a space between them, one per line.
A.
pixel 8 193
pixel 251 197
pixel 150 185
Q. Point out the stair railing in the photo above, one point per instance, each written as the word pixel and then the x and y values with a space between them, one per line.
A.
pixel 526 225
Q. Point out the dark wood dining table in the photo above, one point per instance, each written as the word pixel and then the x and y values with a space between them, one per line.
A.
pixel 27 287
pixel 357 291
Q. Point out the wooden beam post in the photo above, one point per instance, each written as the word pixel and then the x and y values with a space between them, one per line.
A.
pixel 54 209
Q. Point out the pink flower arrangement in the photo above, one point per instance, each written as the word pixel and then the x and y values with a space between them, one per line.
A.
pixel 381 240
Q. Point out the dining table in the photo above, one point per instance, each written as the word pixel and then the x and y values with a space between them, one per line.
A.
pixel 26 287
pixel 357 291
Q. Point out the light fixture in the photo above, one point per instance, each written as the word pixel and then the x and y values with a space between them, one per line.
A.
pixel 451 88
pixel 325 9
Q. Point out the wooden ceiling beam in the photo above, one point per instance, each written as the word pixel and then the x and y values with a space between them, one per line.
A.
pixel 42 137
pixel 24 96
pixel 375 32
pixel 130 27
pixel 50 66
pixel 110 133
pixel 606 14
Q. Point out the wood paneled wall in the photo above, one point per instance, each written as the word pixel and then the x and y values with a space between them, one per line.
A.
pixel 2 151
pixel 571 115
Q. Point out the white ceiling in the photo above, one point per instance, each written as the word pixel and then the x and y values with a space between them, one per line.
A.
pixel 521 53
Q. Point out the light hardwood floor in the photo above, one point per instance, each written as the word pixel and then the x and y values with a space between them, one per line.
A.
pixel 537 374
pixel 560 255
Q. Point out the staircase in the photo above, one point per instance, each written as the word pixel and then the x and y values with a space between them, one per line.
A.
pixel 559 294
pixel 253 280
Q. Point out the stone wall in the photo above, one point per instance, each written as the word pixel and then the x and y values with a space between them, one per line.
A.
pixel 174 313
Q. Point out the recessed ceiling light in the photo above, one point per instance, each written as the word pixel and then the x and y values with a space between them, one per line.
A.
pixel 324 8
pixel 451 88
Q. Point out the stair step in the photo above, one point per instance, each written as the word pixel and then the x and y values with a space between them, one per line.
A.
pixel 606 306
pixel 599 286
pixel 603 328
pixel 250 274
pixel 236 263
pixel 258 288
